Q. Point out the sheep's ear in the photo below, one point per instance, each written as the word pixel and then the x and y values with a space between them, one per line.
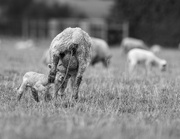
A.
pixel 49 65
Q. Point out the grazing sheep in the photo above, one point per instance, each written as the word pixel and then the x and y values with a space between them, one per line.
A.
pixel 139 56
pixel 156 48
pixel 24 44
pixel 130 43
pixel 100 52
pixel 37 83
pixel 72 50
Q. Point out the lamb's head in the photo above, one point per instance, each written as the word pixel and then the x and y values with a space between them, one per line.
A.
pixel 163 65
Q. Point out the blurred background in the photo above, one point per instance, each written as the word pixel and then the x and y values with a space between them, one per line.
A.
pixel 154 21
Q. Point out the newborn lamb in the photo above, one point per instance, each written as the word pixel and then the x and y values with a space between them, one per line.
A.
pixel 37 82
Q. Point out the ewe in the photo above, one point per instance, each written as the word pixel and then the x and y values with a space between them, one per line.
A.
pixel 100 52
pixel 139 56
pixel 37 83
pixel 72 50
pixel 130 43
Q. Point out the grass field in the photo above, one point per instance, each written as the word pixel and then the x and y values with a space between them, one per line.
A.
pixel 112 105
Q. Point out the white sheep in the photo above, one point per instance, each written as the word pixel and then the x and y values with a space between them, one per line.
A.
pixel 147 58
pixel 100 52
pixel 130 43
pixel 20 45
pixel 71 45
pixel 37 82
pixel 155 48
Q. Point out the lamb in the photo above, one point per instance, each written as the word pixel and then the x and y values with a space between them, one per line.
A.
pixel 139 56
pixel 130 43
pixel 71 52
pixel 100 52
pixel 37 83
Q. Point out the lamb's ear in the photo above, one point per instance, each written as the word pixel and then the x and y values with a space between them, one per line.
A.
pixel 49 65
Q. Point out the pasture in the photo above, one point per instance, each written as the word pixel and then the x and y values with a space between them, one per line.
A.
pixel 111 104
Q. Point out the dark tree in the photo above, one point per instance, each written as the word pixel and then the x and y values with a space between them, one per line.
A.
pixel 155 21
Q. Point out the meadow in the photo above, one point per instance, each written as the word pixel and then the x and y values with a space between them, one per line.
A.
pixel 112 104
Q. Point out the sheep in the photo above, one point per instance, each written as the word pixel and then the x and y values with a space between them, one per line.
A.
pixel 100 52
pixel 139 56
pixel 37 82
pixel 155 48
pixel 24 44
pixel 72 50
pixel 130 43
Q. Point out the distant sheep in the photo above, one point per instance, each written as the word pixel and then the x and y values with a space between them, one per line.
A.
pixel 24 44
pixel 37 83
pixel 71 45
pixel 156 48
pixel 130 43
pixel 139 56
pixel 100 52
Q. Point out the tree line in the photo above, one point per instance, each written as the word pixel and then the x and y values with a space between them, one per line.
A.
pixel 154 21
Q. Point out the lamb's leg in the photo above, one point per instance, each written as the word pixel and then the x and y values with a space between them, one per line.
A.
pixel 21 90
pixel 38 87
pixel 131 66
pixel 147 68
pixel 35 94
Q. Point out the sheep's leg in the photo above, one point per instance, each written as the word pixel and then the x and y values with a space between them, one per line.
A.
pixel 38 87
pixel 21 90
pixel 106 61
pixel 55 59
pixel 72 82
pixel 60 84
pixel 148 68
pixel 78 79
pixel 131 66
pixel 35 94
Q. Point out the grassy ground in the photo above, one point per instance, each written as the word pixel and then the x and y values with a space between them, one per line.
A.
pixel 112 104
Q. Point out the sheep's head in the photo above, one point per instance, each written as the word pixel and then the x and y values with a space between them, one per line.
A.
pixel 107 61
pixel 163 65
